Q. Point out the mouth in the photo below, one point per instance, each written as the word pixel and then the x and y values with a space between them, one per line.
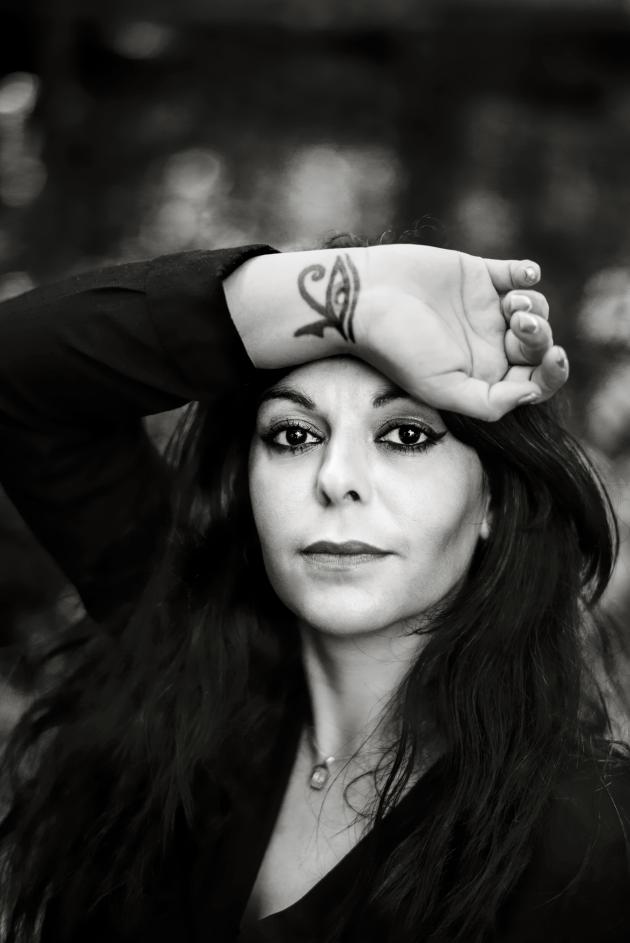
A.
pixel 349 548
pixel 351 553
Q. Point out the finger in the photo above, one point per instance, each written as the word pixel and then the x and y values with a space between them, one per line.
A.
pixel 528 338
pixel 521 373
pixel 507 274
pixel 473 397
pixel 533 302
pixel 549 376
pixel 552 372
pixel 506 395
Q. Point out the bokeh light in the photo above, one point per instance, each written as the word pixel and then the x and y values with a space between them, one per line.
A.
pixel 141 39
pixel 325 188
pixel 18 94
pixel 183 199
pixel 22 181
pixel 22 173
pixel 14 283
pixel 604 315
pixel 485 219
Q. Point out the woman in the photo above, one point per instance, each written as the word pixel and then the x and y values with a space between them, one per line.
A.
pixel 334 686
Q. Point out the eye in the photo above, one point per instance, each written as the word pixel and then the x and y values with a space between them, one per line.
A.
pixel 405 435
pixel 409 436
pixel 291 436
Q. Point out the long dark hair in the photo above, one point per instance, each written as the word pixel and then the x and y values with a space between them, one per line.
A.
pixel 508 677
pixel 176 704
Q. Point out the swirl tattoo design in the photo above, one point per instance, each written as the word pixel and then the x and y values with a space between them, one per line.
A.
pixel 342 292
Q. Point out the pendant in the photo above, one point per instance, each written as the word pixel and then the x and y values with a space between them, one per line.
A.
pixel 320 775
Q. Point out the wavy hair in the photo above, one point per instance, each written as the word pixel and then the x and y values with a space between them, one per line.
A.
pixel 171 713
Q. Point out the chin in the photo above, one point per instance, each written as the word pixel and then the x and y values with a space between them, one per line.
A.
pixel 342 609
pixel 344 621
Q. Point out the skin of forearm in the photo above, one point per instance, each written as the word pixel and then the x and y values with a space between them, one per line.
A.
pixel 296 307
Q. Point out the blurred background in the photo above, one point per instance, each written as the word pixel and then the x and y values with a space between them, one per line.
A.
pixel 138 127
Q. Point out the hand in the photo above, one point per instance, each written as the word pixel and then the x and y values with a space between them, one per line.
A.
pixel 460 332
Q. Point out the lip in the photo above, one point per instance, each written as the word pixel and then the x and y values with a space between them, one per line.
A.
pixel 349 548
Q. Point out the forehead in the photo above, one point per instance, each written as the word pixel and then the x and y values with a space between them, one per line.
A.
pixel 338 382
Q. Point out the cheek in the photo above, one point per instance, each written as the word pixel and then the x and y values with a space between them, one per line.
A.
pixel 277 507
pixel 440 514
pixel 275 499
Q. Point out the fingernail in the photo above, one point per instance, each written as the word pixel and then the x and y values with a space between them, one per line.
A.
pixel 531 275
pixel 520 303
pixel 527 324
pixel 530 398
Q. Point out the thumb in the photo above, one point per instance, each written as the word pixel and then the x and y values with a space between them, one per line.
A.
pixel 506 395
pixel 481 400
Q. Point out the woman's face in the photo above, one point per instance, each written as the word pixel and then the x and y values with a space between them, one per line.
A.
pixel 340 456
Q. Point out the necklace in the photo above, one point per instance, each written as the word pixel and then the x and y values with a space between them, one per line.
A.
pixel 320 771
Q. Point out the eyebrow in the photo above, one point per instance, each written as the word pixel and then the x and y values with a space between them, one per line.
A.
pixel 388 395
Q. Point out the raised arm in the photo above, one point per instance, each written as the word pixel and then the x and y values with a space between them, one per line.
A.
pixel 460 332
pixel 84 360
pixel 81 362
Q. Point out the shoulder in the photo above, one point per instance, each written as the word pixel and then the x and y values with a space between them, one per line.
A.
pixel 590 806
pixel 577 884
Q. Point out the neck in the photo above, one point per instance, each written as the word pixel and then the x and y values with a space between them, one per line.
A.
pixel 351 681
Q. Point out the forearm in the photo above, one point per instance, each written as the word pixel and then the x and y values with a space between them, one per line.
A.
pixel 82 360
pixel 296 307
pixel 433 321
pixel 120 343
pixel 301 306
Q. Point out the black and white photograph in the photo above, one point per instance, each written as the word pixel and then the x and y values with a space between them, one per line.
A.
pixel 315 471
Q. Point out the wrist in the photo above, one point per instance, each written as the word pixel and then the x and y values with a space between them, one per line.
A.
pixel 295 307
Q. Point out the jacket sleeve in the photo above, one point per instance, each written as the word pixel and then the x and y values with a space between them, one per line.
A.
pixel 81 363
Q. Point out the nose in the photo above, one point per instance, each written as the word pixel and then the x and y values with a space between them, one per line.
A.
pixel 344 473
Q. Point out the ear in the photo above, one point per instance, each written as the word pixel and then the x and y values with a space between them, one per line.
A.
pixel 485 528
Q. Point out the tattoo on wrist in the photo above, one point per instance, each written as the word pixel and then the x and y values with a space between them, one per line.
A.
pixel 340 297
